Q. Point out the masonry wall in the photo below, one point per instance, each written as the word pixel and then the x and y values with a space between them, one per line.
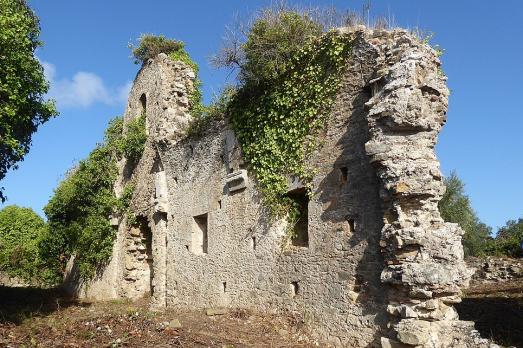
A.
pixel 333 283
pixel 202 237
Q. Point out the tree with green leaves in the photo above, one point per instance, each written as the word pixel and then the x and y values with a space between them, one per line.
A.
pixel 22 83
pixel 455 207
pixel 269 44
pixel 509 239
pixel 20 232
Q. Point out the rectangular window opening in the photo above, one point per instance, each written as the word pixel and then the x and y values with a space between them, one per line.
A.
pixel 253 243
pixel 199 234
pixel 301 226
pixel 224 284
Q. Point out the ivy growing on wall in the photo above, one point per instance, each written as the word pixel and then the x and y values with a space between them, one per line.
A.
pixel 79 212
pixel 277 121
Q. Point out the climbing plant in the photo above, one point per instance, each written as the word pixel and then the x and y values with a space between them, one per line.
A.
pixel 79 212
pixel 277 120
pixel 132 144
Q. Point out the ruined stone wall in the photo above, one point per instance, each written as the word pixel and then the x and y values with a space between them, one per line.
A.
pixel 424 256
pixel 380 268
pixel 495 269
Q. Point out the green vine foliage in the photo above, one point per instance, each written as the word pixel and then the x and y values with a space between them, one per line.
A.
pixel 79 212
pixel 132 144
pixel 277 122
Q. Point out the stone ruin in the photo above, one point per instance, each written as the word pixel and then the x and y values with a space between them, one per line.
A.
pixel 374 264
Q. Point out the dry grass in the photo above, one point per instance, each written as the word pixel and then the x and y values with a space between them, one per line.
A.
pixel 47 322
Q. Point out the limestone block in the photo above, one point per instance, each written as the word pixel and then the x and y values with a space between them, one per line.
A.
pixel 414 332
pixel 237 180
pixel 114 221
pixel 389 343
pixel 215 311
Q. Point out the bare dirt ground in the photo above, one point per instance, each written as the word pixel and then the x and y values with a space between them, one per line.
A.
pixel 497 310
pixel 43 318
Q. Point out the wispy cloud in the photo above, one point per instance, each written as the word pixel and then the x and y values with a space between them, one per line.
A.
pixel 83 89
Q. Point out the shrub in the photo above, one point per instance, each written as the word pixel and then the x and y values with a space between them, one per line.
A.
pixel 264 50
pixel 215 111
pixel 149 46
pixel 509 239
pixel 20 232
pixel 273 40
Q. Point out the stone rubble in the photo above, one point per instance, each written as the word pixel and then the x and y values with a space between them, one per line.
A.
pixel 495 269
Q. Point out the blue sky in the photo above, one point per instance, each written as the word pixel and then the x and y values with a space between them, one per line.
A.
pixel 87 61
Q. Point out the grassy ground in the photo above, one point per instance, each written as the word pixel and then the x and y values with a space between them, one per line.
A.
pixel 43 318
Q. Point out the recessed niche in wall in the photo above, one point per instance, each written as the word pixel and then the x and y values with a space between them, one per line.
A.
pixel 301 227
pixel 295 288
pixel 344 173
pixel 219 204
pixel 199 234
pixel 351 226
pixel 146 235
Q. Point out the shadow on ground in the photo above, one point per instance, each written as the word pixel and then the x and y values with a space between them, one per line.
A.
pixel 18 303
pixel 496 318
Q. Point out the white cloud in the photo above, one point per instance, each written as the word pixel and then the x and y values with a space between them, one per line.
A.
pixel 83 89
pixel 123 91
